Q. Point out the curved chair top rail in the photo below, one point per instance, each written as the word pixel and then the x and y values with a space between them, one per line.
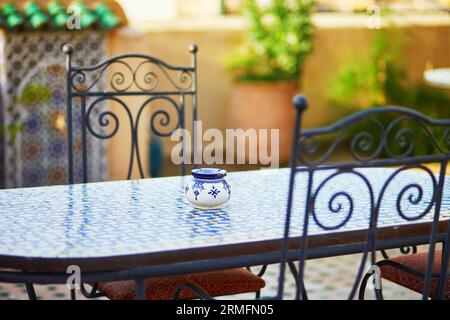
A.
pixel 131 56
pixel 393 141
pixel 361 115
pixel 132 75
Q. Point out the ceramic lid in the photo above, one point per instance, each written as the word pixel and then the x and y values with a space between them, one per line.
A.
pixel 209 173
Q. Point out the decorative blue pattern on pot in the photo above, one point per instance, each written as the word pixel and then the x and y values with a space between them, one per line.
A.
pixel 214 192
pixel 152 215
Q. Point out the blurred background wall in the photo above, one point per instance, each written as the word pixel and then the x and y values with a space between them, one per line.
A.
pixel 338 37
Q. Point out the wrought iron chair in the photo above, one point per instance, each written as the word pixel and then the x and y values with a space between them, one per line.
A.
pixel 375 138
pixel 158 84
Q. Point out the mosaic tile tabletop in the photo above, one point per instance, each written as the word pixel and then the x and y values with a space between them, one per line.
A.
pixel 151 215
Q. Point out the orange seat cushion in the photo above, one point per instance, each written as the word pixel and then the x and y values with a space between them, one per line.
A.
pixel 417 262
pixel 217 283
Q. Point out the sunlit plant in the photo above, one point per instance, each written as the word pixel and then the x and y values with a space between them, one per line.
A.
pixel 278 40
pixel 380 78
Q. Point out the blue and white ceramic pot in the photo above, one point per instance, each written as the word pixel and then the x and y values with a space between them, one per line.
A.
pixel 208 189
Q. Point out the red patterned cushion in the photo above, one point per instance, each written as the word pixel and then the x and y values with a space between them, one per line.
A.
pixel 417 262
pixel 216 283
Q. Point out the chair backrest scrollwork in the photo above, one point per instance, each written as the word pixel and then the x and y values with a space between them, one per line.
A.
pixel 128 77
pixel 400 138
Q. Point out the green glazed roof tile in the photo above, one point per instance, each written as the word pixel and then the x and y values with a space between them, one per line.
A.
pixel 38 20
pixel 14 20
pixel 54 15
pixel 60 19
pixel 101 9
pixel 54 8
pixel 79 7
pixel 31 8
pixel 88 19
pixel 109 20
pixel 8 8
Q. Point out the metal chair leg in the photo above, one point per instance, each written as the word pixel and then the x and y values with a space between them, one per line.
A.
pixel 30 291
pixel 403 250
pixel 294 272
pixel 94 293
pixel 261 271
pixel 73 295
pixel 379 294
pixel 362 288
pixel 189 285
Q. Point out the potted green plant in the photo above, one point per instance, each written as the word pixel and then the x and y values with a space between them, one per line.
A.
pixel 266 68
pixel 380 79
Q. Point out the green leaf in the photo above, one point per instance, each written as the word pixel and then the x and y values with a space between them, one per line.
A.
pixel 278 40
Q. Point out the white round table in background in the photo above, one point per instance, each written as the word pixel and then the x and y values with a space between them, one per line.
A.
pixel 438 77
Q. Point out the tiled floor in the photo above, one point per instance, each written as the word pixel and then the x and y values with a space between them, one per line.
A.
pixel 326 279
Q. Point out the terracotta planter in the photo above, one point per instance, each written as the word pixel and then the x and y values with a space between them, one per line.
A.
pixel 264 106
